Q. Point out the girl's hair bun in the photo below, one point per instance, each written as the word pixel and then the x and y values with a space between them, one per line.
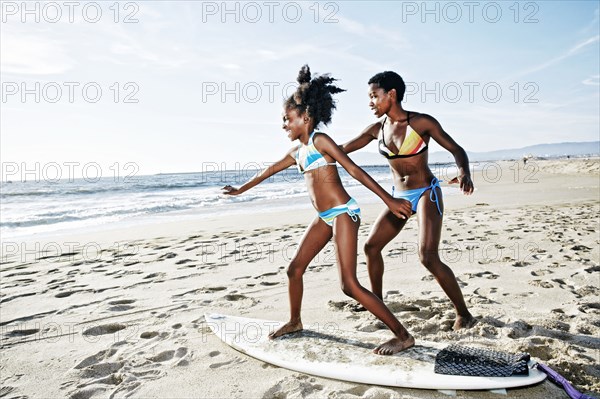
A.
pixel 304 75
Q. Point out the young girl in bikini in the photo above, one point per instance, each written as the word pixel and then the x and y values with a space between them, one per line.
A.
pixel 338 213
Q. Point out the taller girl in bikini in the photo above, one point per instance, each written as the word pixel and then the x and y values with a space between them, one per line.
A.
pixel 403 138
pixel 338 213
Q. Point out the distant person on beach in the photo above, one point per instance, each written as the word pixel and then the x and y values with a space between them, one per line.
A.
pixel 402 138
pixel 338 213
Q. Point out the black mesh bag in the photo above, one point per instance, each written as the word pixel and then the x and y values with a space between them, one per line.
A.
pixel 464 360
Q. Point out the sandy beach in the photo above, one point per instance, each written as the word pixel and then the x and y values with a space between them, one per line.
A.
pixel 119 313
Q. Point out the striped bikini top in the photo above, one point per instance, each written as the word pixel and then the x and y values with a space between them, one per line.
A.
pixel 309 158
pixel 412 145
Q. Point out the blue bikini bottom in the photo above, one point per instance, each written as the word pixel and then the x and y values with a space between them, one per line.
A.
pixel 351 208
pixel 415 194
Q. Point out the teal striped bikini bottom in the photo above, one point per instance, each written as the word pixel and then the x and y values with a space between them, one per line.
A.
pixel 351 208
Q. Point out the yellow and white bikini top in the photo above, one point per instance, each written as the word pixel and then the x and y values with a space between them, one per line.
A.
pixel 412 145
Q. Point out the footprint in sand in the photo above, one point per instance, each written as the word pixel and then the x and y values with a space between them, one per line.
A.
pixel 57 282
pixel 581 248
pixel 519 329
pixel 540 283
pixel 296 385
pixel 96 358
pixel 366 391
pixel 521 264
pixel 154 275
pixel 210 290
pixel 168 255
pixel 587 290
pixel 22 333
pixel 100 370
pixel 396 307
pixel 394 253
pixel 370 326
pixel 21 274
pixel 351 306
pixel 423 303
pixel 563 284
pixel 591 307
pixel 65 294
pixel 541 348
pixel 149 334
pixel 486 274
pixel 121 305
pixel 234 361
pixel 234 297
pixel 104 329
pixel 484 292
pixel 269 283
pixel 266 275
pixel 6 389
pixel 239 301
pixel 10 298
pixel 168 355
pixel 541 272
pixel 123 376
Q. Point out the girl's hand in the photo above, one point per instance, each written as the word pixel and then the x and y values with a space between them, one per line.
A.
pixel 466 184
pixel 229 190
pixel 400 207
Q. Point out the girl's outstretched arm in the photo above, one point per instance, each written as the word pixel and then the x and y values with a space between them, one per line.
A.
pixel 365 137
pixel 400 207
pixel 284 163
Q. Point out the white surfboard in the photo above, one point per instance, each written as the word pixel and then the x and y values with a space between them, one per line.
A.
pixel 326 351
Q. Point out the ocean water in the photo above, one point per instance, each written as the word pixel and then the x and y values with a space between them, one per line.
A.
pixel 36 207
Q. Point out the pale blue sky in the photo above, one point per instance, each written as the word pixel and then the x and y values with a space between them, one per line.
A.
pixel 178 50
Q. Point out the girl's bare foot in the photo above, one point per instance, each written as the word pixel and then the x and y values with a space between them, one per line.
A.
pixel 287 328
pixel 464 322
pixel 394 345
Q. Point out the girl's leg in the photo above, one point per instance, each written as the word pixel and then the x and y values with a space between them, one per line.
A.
pixel 386 228
pixel 317 235
pixel 345 235
pixel 430 230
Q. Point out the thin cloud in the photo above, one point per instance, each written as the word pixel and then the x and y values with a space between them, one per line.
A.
pixel 396 41
pixel 593 80
pixel 33 54
pixel 351 26
pixel 569 53
pixel 593 25
pixel 127 47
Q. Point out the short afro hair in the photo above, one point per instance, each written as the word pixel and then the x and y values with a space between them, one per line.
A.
pixel 389 80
